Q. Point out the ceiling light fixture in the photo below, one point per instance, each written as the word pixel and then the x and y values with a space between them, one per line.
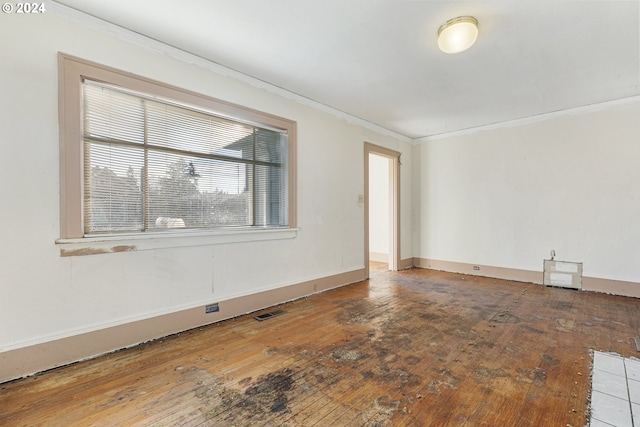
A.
pixel 458 34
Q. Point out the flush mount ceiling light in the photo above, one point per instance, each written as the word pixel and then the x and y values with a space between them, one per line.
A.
pixel 458 34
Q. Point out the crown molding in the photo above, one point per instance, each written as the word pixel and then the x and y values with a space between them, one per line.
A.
pixel 531 119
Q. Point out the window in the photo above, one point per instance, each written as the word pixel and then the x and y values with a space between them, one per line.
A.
pixel 151 164
pixel 140 156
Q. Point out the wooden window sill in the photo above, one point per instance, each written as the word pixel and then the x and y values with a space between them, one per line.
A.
pixel 101 244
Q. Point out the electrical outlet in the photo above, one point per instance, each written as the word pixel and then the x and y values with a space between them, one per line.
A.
pixel 476 268
pixel 212 308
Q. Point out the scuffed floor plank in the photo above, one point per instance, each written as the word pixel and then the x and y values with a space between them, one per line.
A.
pixel 411 348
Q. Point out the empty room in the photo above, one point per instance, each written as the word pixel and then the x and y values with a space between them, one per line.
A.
pixel 314 213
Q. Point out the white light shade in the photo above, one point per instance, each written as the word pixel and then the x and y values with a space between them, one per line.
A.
pixel 458 34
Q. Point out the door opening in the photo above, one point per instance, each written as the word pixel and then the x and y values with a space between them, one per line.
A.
pixel 382 209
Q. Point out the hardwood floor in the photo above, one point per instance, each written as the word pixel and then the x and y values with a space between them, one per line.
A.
pixel 376 268
pixel 410 348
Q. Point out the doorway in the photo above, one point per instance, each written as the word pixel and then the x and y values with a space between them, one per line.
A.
pixel 382 209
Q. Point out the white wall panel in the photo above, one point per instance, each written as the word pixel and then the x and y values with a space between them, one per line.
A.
pixel 507 197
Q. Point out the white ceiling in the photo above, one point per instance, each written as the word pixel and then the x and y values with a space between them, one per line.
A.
pixel 378 59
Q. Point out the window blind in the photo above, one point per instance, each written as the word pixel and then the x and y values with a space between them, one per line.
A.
pixel 152 164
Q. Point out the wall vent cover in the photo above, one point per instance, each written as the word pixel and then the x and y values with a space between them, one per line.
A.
pixel 563 274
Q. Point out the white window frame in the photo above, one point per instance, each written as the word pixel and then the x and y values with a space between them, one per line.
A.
pixel 73 241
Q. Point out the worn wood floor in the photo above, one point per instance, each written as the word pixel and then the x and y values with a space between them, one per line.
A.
pixel 411 348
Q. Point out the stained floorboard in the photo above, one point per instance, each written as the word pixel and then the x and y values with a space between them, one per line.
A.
pixel 411 348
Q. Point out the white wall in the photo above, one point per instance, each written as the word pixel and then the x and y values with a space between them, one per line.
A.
pixel 379 205
pixel 507 197
pixel 44 296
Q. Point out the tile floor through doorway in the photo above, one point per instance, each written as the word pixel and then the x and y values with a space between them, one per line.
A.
pixel 615 395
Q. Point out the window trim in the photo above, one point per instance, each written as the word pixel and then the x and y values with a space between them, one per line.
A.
pixel 71 73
